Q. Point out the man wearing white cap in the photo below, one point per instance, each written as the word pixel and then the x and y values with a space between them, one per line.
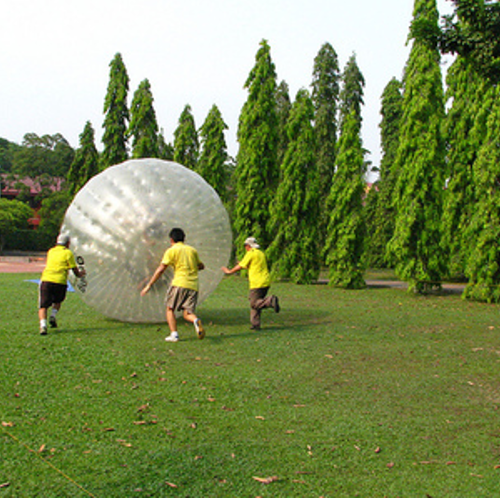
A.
pixel 54 281
pixel 259 281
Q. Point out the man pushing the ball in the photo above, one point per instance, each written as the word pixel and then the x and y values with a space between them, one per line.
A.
pixel 183 292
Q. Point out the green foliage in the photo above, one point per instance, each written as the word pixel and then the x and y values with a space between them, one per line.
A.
pixel 325 95
pixel 165 149
pixel 474 33
pixel 257 172
pixel 351 95
pixel 344 246
pixel 213 157
pixel 143 127
pixel 52 214
pixel 186 144
pixel 464 134
pixel 294 251
pixel 483 267
pixel 7 151
pixel 379 210
pixel 117 115
pixel 420 163
pixel 14 215
pixel 283 106
pixel 49 154
pixel 86 162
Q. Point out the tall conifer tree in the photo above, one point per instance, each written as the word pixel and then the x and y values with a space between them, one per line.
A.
pixel 344 245
pixel 257 171
pixel 143 125
pixel 86 162
pixel 380 223
pixel 464 135
pixel 420 160
pixel 213 157
pixel 483 264
pixel 284 106
pixel 294 252
pixel 325 95
pixel 116 115
pixel 186 144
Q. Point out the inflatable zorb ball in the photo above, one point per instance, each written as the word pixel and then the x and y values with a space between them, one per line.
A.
pixel 119 225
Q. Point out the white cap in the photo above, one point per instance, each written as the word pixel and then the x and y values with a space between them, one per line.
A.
pixel 63 239
pixel 252 242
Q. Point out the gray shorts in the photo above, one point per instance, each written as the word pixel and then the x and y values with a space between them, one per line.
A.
pixel 180 299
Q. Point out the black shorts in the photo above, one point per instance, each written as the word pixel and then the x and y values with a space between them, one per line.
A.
pixel 51 293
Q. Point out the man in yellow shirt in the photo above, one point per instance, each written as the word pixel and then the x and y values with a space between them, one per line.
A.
pixel 53 283
pixel 183 292
pixel 258 279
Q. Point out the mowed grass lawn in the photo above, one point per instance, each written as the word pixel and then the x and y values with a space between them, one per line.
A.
pixel 366 393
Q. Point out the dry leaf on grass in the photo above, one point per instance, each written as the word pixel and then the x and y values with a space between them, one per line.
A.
pixel 266 480
pixel 7 424
pixel 172 485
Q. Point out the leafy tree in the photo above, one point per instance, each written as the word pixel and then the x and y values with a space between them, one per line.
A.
pixel 420 162
pixel 52 213
pixel 325 95
pixel 213 158
pixel 346 229
pixel 116 115
pixel 165 149
pixel 7 150
pixel 14 215
pixel 464 134
pixel 49 154
pixel 143 126
pixel 257 170
pixel 186 145
pixel 294 253
pixel 86 162
pixel 345 236
pixel 284 106
pixel 483 264
pixel 473 31
pixel 380 221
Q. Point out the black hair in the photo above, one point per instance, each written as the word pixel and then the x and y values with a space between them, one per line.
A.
pixel 177 234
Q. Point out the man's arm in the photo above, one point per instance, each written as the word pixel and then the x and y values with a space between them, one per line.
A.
pixel 156 276
pixel 235 269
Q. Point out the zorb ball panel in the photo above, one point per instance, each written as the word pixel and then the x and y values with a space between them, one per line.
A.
pixel 119 225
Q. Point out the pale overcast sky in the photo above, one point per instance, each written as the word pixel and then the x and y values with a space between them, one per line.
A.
pixel 55 56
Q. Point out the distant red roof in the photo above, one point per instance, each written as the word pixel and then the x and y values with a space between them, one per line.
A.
pixel 9 190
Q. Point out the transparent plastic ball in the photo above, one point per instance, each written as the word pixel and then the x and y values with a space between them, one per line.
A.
pixel 119 225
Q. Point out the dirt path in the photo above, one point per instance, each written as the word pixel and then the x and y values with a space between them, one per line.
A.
pixel 36 264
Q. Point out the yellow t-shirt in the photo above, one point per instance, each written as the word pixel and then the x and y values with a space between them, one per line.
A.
pixel 184 259
pixel 59 261
pixel 258 273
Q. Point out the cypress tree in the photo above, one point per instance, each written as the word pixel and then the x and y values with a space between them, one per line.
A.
pixel 116 115
pixel 483 264
pixel 213 157
pixel 143 126
pixel 346 229
pixel 380 223
pixel 284 106
pixel 186 145
pixel 86 162
pixel 464 136
pixel 325 95
pixel 420 161
pixel 256 170
pixel 294 252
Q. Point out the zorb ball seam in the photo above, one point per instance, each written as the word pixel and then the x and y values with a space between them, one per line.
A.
pixel 119 224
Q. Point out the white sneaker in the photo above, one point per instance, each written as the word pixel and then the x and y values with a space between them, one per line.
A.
pixel 173 337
